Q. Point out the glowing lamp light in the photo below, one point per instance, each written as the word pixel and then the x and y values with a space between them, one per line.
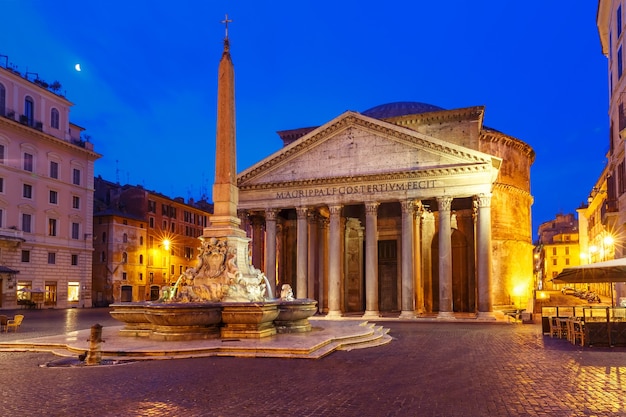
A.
pixel 519 290
pixel 166 244
pixel 608 240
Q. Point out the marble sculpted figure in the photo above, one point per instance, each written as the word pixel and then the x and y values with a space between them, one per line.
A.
pixel 216 278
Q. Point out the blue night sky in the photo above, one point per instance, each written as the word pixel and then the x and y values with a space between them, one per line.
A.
pixel 147 90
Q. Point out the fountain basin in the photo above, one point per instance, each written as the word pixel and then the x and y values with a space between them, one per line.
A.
pixel 293 316
pixel 248 320
pixel 134 318
pixel 184 321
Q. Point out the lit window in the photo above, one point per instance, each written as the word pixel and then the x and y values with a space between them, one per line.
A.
pixel 52 227
pixel 73 291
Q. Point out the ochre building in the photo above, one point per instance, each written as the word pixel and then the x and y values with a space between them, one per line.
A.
pixel 406 208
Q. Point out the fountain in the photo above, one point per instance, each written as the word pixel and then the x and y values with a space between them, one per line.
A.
pixel 224 295
pixel 215 299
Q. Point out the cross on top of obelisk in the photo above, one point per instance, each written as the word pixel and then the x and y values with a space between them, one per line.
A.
pixel 226 21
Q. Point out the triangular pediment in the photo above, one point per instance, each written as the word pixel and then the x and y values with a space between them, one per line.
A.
pixel 356 146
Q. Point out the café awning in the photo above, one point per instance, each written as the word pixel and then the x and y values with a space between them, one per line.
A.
pixel 607 271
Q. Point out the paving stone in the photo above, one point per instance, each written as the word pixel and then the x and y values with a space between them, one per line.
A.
pixel 429 369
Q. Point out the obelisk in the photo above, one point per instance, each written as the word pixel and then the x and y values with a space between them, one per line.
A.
pixel 225 191
pixel 224 221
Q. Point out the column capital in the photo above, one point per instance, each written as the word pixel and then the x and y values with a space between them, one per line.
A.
pixel 302 212
pixel 242 214
pixel 408 206
pixel 371 208
pixel 335 210
pixel 270 214
pixel 483 200
pixel 444 203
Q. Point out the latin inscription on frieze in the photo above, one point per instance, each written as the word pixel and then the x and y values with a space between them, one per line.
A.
pixel 356 189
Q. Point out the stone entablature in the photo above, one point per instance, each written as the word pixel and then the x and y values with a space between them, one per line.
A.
pixel 432 151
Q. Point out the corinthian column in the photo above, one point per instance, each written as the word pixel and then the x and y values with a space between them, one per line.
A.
pixel 302 252
pixel 334 262
pixel 483 255
pixel 445 258
pixel 371 260
pixel 408 305
pixel 270 248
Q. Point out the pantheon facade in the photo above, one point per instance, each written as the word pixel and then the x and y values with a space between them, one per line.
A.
pixel 405 209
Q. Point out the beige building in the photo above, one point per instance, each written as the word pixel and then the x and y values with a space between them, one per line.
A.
pixel 406 207
pixel 46 197
pixel 143 240
pixel 610 21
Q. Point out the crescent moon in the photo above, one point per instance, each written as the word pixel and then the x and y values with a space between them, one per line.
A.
pixel 77 67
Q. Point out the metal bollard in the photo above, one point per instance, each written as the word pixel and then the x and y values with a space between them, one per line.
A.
pixel 94 356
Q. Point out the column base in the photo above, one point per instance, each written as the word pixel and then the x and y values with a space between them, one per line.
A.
pixel 371 315
pixel 408 315
pixel 334 314
pixel 486 315
pixel 446 315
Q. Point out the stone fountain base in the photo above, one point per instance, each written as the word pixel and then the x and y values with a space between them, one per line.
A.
pixel 184 321
pixel 249 320
pixel 209 320
pixel 293 316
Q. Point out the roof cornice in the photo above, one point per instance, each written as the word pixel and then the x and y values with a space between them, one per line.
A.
pixel 499 137
pixel 30 131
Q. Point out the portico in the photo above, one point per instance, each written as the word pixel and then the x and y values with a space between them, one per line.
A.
pixel 369 217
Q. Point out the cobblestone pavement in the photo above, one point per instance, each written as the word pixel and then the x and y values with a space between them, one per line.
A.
pixel 430 369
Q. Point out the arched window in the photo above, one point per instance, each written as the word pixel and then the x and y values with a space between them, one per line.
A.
pixel 141 240
pixel 103 257
pixel 104 237
pixel 54 118
pixel 125 238
pixel 29 110
pixel 141 259
pixel 124 257
pixel 3 100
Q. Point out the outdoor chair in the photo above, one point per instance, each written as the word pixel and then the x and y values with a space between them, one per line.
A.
pixel 3 322
pixel 15 323
pixel 554 326
pixel 578 332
